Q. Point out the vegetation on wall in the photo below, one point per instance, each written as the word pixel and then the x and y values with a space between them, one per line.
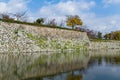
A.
pixel 44 43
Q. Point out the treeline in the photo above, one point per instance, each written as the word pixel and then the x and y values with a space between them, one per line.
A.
pixel 21 17
pixel 97 35
pixel 112 36
pixel 73 21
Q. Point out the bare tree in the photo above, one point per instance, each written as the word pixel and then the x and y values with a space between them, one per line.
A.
pixel 20 16
pixel 61 23
pixel 5 16
pixel 52 22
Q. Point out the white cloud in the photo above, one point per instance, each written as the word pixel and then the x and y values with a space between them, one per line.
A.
pixel 61 9
pixel 109 2
pixel 104 24
pixel 83 9
pixel 13 6
pixel 3 7
pixel 16 6
pixel 67 7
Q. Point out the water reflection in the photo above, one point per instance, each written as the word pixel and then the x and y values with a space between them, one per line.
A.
pixel 55 65
pixel 13 67
pixel 83 65
pixel 30 66
pixel 104 65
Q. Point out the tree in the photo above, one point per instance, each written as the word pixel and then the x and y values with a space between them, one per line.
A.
pixel 91 34
pixel 117 35
pixel 61 23
pixel 99 35
pixel 20 16
pixel 52 23
pixel 73 21
pixel 113 35
pixel 5 16
pixel 40 21
pixel 106 36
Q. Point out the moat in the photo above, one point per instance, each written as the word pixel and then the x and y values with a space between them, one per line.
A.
pixel 82 65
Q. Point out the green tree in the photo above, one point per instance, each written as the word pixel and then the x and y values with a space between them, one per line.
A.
pixel 107 36
pixel 39 21
pixel 113 35
pixel 117 35
pixel 73 21
pixel 99 35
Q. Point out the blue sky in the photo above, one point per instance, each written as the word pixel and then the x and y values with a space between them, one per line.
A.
pixel 99 15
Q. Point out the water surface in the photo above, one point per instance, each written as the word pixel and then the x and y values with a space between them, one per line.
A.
pixel 83 65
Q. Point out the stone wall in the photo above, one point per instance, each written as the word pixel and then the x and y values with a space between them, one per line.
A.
pixel 58 33
pixel 105 45
pixel 26 38
pixel 14 39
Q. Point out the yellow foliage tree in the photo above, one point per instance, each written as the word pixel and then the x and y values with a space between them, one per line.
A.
pixel 73 21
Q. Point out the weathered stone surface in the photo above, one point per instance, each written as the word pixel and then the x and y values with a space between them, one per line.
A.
pixel 26 38
pixel 105 45
pixel 58 33
pixel 14 39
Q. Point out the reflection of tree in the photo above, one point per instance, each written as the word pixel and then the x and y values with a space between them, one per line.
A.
pixel 34 78
pixel 54 64
pixel 108 59
pixel 113 60
pixel 74 77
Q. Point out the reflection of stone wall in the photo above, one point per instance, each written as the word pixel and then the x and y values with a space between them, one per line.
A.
pixel 21 66
pixel 105 52
pixel 12 66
